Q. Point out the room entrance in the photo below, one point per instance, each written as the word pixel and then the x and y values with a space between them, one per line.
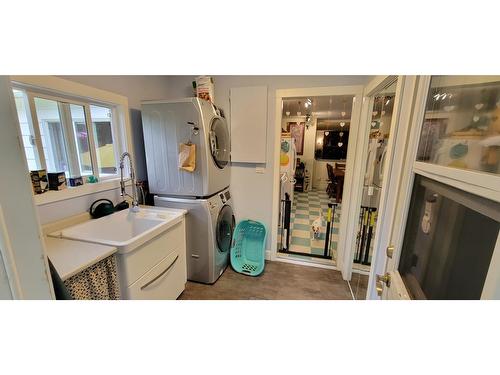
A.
pixel 314 156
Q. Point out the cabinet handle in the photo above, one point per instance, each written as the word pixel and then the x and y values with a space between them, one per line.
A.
pixel 161 274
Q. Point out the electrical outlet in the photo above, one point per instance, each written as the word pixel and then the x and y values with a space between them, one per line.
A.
pixel 259 170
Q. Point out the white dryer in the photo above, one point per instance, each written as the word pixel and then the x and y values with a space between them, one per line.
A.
pixel 209 232
pixel 166 124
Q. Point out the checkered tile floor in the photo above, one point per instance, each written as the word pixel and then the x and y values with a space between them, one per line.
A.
pixel 306 208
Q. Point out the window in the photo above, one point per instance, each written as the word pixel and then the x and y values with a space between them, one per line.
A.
pixel 103 135
pixel 69 136
pixel 461 127
pixel 27 130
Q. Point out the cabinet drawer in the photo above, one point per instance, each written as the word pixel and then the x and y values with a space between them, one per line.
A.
pixel 133 265
pixel 166 280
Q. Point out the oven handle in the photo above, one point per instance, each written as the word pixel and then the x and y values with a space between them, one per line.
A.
pixel 161 274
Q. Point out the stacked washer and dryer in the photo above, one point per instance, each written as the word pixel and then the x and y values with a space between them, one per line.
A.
pixel 204 192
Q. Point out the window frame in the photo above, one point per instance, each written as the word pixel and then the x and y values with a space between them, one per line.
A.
pixel 69 92
pixel 66 119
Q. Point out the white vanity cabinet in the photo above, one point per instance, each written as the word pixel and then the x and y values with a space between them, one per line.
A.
pixel 157 269
pixel 150 249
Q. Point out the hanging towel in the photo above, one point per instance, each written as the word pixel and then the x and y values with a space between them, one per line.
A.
pixel 187 157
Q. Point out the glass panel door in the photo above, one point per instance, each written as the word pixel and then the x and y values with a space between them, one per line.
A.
pixel 461 126
pixel 449 241
pixel 380 131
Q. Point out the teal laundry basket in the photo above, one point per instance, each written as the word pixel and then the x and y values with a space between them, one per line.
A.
pixel 248 249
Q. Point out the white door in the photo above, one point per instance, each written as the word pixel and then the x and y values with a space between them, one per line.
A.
pixel 445 195
pixel 394 151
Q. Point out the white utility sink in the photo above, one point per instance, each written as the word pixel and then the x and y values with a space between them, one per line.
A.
pixel 125 230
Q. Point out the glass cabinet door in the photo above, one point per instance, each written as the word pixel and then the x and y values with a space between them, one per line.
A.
pixel 461 126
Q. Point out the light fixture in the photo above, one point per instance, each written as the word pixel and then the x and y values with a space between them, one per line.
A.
pixel 326 133
pixel 342 113
pixel 287 113
pixel 342 124
pixel 388 100
pixel 340 144
pixel 341 134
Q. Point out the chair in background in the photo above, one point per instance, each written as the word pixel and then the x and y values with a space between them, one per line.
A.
pixel 300 173
pixel 339 173
pixel 330 189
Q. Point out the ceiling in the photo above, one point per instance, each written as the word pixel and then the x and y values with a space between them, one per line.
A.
pixel 330 107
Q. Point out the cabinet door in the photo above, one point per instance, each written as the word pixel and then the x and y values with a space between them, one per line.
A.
pixel 248 124
pixel 166 280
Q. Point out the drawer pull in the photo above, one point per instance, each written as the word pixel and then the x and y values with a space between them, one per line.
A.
pixel 161 274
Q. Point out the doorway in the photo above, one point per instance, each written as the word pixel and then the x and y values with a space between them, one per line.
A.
pixel 314 160
pixel 382 122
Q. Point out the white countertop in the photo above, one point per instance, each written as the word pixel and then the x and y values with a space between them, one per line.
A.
pixel 70 257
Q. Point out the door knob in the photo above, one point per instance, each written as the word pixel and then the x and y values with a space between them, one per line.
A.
pixel 380 281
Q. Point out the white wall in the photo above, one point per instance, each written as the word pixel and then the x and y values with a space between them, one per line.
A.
pixel 252 191
pixel 135 88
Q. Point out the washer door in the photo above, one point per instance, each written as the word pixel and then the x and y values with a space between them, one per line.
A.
pixel 224 228
pixel 218 139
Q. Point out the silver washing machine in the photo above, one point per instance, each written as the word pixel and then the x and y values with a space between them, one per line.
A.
pixel 210 224
pixel 166 124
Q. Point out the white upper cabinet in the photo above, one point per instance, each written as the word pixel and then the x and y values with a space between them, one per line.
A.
pixel 248 124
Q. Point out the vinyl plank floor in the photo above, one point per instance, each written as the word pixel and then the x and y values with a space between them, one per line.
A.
pixel 280 281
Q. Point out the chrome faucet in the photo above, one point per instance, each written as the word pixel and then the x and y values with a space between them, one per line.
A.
pixel 135 204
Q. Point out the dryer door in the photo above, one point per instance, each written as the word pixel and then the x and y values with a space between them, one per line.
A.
pixel 224 228
pixel 218 140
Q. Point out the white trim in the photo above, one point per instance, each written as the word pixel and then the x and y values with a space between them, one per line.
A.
pixel 491 288
pixel 480 183
pixel 67 88
pixel 355 91
pixel 52 196
pixel 9 259
pixel 377 84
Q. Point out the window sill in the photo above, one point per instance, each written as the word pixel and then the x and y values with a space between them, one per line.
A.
pixel 53 196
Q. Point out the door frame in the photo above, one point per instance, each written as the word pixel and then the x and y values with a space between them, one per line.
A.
pixel 21 239
pixel 346 217
pixel 394 165
pixel 375 86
